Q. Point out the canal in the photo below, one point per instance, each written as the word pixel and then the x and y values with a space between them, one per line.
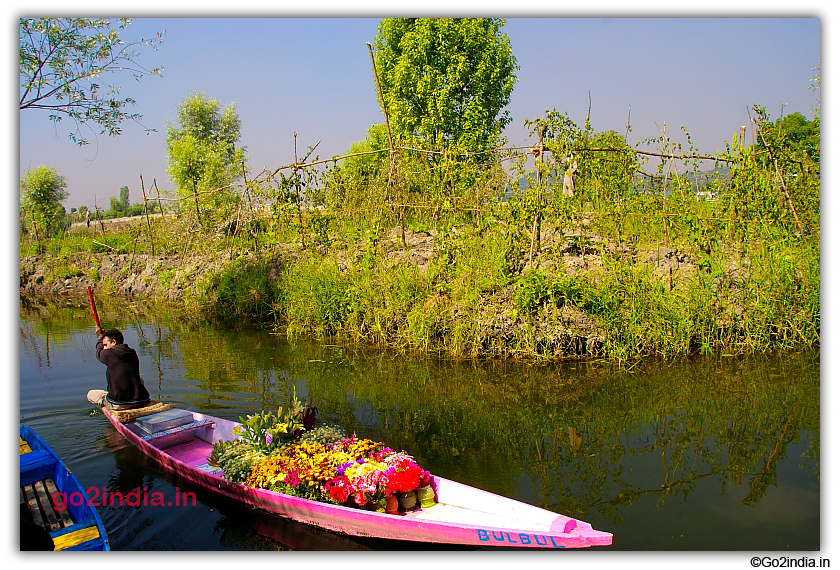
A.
pixel 703 454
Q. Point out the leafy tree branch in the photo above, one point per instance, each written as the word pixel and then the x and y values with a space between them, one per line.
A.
pixel 61 61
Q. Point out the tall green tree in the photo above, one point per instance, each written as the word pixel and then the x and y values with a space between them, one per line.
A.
pixel 446 81
pixel 42 189
pixel 61 63
pixel 204 159
pixel 120 206
pixel 793 132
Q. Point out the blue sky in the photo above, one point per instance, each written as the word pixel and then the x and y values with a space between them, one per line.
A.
pixel 313 76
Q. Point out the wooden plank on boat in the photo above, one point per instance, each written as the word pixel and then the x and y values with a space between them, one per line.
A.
pixel 33 505
pixel 46 506
pixel 24 446
pixel 76 537
pixel 63 514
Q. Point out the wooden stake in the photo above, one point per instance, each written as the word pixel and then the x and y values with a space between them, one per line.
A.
pixel 160 205
pixel 146 212
pixel 197 209
pixel 297 191
pixel 537 228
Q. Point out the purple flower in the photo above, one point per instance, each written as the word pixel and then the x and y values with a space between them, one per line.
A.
pixel 342 468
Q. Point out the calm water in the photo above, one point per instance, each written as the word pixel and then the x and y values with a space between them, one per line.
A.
pixel 711 454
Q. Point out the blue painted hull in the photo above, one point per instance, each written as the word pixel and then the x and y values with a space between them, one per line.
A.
pixel 41 463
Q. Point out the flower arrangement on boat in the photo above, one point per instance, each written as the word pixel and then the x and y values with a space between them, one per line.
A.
pixel 285 454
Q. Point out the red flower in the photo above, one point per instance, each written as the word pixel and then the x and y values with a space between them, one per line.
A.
pixel 359 497
pixel 404 477
pixel 338 489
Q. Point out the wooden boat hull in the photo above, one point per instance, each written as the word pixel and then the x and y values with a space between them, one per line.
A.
pixel 463 516
pixel 55 497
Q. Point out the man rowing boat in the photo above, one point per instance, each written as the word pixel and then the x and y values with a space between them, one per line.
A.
pixel 126 390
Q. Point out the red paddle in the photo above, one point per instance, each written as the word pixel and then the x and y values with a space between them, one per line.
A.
pixel 93 306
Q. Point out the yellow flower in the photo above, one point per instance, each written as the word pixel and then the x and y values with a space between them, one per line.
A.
pixel 361 447
pixel 360 470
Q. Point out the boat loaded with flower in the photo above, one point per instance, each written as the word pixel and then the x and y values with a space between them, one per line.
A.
pixel 285 464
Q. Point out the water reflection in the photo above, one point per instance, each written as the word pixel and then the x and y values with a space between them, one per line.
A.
pixel 636 452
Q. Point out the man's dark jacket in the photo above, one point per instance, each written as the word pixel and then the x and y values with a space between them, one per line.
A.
pixel 124 383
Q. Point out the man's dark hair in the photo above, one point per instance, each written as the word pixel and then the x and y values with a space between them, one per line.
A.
pixel 114 334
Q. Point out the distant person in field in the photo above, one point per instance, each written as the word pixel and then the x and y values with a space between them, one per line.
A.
pixel 126 389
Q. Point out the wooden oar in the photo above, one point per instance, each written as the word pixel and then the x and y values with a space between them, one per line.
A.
pixel 93 306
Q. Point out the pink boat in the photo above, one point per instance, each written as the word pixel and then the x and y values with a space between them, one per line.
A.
pixel 463 515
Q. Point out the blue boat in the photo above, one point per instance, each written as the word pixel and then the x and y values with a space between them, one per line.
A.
pixel 55 510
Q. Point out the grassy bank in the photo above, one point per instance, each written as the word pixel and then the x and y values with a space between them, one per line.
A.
pixel 465 300
pixel 472 292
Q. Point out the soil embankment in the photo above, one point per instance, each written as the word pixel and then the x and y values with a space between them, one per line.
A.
pixel 163 277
